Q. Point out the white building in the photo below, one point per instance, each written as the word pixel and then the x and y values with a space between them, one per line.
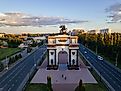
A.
pixel 107 30
pixel 92 31
pixel 77 31
pixel 66 44
pixel 2 34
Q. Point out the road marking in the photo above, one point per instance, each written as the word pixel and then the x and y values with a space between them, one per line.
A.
pixel 13 72
pixel 119 86
pixel 107 71
pixel 21 64
pixel 4 86
pixel 12 85
pixel 15 75
pixel 10 80
pixel 1 89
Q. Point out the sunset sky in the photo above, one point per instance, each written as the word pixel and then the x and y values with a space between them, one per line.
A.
pixel 44 16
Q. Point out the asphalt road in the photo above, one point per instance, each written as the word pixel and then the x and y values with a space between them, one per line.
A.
pixel 12 79
pixel 109 72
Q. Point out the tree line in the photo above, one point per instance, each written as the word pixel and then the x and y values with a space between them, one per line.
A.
pixel 107 45
pixel 12 40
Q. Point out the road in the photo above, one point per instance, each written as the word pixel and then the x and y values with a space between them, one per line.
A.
pixel 13 78
pixel 109 72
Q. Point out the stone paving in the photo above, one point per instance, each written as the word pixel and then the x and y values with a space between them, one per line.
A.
pixel 63 79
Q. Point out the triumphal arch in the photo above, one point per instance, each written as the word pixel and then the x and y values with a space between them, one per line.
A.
pixel 62 43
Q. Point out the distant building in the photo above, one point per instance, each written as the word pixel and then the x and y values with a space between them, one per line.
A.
pixel 92 31
pixel 23 45
pixel 107 30
pixel 39 39
pixel 2 34
pixel 77 31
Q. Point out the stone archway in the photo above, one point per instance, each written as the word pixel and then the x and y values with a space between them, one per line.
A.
pixel 63 60
pixel 65 46
pixel 62 57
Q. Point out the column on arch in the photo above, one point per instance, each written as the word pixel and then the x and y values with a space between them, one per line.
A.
pixel 52 59
pixel 74 57
pixel 69 64
pixel 77 58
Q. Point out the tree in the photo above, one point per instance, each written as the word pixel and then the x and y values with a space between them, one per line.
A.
pixel 1 67
pixel 49 83
pixel 107 45
pixel 10 61
pixel 80 87
pixel 16 57
pixel 20 56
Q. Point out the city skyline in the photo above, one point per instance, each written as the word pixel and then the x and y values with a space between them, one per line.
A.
pixel 19 16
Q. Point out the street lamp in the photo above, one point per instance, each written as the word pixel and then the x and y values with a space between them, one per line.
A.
pixel 6 63
pixel 116 63
pixel 34 61
pixel 96 44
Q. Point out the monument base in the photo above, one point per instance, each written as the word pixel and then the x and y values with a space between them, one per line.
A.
pixel 73 67
pixel 52 67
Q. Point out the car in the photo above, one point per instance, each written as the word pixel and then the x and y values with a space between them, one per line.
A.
pixel 100 58
pixel 6 68
pixel 87 57
pixel 85 52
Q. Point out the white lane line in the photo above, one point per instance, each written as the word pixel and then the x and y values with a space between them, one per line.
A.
pixel 12 72
pixel 10 80
pixel 119 86
pixel 12 85
pixel 107 70
pixel 14 75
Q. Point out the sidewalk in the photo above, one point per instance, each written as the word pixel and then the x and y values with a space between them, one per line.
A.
pixel 60 83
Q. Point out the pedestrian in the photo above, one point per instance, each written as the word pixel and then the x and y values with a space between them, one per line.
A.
pixel 62 75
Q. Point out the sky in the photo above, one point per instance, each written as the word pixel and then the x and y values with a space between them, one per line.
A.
pixel 44 16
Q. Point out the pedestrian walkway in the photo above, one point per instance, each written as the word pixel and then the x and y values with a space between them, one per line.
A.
pixel 63 79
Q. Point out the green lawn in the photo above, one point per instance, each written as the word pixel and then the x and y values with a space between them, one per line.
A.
pixel 37 87
pixel 94 87
pixel 43 87
pixel 8 52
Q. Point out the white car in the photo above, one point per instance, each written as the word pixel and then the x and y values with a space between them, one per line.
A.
pixel 85 52
pixel 6 68
pixel 100 58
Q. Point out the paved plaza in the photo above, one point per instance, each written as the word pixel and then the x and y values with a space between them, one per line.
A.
pixel 63 79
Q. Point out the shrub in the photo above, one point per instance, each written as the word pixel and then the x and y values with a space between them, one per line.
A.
pixel 20 56
pixel 49 83
pixel 16 57
pixel 80 87
pixel 1 67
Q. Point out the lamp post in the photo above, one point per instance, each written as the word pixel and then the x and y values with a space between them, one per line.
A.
pixel 96 44
pixel 116 63
pixel 34 61
pixel 6 63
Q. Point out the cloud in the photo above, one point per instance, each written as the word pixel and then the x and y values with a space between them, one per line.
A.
pixel 115 13
pixel 22 19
